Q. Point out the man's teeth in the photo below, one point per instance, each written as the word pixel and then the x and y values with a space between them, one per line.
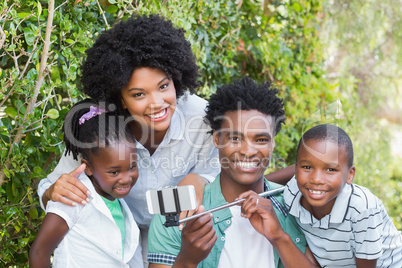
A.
pixel 158 115
pixel 246 164
pixel 316 192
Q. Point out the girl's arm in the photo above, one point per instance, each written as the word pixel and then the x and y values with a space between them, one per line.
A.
pixel 49 236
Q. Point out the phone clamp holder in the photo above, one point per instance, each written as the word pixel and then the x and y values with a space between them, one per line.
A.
pixel 172 218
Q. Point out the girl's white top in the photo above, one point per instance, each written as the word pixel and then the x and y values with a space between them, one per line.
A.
pixel 94 239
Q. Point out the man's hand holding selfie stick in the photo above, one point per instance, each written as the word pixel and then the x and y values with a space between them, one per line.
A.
pixel 169 202
pixel 198 235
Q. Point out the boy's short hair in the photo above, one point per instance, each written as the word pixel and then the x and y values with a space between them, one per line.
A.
pixel 328 132
pixel 245 94
pixel 140 41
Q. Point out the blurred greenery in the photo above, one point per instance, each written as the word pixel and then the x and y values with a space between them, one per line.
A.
pixel 333 62
pixel 363 57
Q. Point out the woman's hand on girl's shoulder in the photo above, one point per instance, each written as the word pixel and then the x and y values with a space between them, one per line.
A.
pixel 68 189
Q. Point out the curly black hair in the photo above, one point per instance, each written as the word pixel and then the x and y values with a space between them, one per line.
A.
pixel 140 41
pixel 245 94
pixel 328 132
pixel 99 131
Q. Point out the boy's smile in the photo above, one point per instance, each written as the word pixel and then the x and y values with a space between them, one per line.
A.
pixel 245 142
pixel 321 171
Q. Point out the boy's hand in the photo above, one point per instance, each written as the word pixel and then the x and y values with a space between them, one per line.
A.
pixel 197 240
pixel 68 189
pixel 261 215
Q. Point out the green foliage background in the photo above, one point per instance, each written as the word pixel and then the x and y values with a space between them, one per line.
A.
pixel 267 40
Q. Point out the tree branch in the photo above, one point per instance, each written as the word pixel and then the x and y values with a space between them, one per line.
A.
pixel 103 14
pixel 3 37
pixel 2 33
pixel 31 104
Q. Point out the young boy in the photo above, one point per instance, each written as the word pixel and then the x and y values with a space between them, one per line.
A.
pixel 344 223
pixel 244 117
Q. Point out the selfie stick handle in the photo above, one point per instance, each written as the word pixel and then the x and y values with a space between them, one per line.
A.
pixel 264 194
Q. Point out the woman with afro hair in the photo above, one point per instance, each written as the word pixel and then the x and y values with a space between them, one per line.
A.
pixel 144 68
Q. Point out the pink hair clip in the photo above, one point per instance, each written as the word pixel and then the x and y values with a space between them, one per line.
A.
pixel 93 111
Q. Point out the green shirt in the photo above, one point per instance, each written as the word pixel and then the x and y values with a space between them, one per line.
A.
pixel 164 243
pixel 117 213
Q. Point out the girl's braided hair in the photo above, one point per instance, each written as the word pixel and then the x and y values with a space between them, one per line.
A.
pixel 98 131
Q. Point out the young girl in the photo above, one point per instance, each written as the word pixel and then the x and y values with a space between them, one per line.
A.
pixel 102 233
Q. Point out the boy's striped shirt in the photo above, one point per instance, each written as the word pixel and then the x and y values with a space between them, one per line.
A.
pixel 358 226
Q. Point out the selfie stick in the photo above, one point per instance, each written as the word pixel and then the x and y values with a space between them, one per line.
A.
pixel 264 194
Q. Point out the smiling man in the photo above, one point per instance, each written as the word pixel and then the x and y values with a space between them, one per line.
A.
pixel 244 117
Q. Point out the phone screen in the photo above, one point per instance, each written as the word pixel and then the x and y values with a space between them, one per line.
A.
pixel 186 194
pixel 168 200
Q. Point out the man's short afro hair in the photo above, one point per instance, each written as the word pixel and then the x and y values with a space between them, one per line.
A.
pixel 141 41
pixel 245 94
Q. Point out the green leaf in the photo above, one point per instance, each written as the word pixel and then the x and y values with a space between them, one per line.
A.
pixel 82 49
pixel 53 113
pixel 11 111
pixel 69 41
pixel 11 47
pixel 38 171
pixel 82 24
pixel 30 150
pixel 3 130
pixel 23 15
pixel 33 213
pixel 112 2
pixel 297 7
pixel 29 36
pixel 112 9
pixel 88 15
pixel 39 9
pixel 13 189
pixel 7 173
